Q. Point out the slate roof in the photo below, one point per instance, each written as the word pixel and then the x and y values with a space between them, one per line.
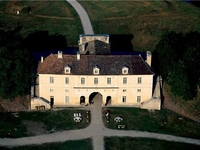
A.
pixel 108 64
pixel 98 47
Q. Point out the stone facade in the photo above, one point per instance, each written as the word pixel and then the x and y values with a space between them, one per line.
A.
pixel 73 80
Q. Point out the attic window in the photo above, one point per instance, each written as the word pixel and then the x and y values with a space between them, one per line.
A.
pixel 67 69
pixel 125 70
pixel 96 70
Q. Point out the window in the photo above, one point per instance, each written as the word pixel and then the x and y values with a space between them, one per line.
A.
pixel 51 90
pixel 124 99
pixel 96 70
pixel 124 80
pixel 66 99
pixel 95 80
pixel 139 80
pixel 51 79
pixel 138 99
pixel 66 90
pixel 67 69
pixel 108 80
pixel 124 70
pixel 67 80
pixel 138 90
pixel 82 80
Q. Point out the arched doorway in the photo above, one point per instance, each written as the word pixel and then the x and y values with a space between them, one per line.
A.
pixel 82 100
pixel 108 100
pixel 95 98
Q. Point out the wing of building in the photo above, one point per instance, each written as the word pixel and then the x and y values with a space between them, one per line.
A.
pixel 74 80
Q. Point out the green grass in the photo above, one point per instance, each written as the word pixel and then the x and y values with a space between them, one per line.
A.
pixel 85 144
pixel 146 20
pixel 13 127
pixel 142 120
pixel 127 143
pixel 56 17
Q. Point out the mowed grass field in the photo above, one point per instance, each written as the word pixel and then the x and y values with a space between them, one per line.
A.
pixel 40 122
pixel 85 144
pixel 127 143
pixel 56 17
pixel 162 121
pixel 145 20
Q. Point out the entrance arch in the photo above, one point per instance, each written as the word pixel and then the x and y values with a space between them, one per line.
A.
pixel 96 98
pixel 108 100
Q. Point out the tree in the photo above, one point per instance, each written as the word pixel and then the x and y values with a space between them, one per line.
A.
pixel 179 81
pixel 16 69
pixel 178 62
pixel 168 50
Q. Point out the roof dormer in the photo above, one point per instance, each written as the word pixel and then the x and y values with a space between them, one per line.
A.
pixel 96 70
pixel 67 69
pixel 125 69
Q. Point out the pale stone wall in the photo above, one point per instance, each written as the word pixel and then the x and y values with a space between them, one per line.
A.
pixel 149 57
pixel 75 89
pixel 38 102
pixel 152 104
pixel 85 38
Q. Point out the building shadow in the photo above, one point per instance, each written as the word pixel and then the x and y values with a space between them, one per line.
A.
pixel 42 41
pixel 121 42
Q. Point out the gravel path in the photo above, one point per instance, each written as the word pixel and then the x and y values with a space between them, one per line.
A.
pixel 87 27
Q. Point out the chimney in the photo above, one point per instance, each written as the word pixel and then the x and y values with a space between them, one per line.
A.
pixel 42 59
pixel 59 54
pixel 83 47
pixel 148 58
pixel 78 56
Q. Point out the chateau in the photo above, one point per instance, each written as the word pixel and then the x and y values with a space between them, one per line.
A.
pixel 74 79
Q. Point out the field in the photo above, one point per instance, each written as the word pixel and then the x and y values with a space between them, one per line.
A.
pixel 39 122
pixel 68 145
pixel 163 121
pixel 145 21
pixel 56 17
pixel 127 143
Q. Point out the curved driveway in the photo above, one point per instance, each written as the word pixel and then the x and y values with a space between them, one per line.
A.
pixel 87 27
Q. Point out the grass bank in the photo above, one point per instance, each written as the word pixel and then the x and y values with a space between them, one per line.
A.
pixel 68 145
pixel 39 122
pixel 127 143
pixel 145 20
pixel 162 121
pixel 56 17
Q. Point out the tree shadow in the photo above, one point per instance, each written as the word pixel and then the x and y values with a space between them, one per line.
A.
pixel 42 41
pixel 195 3
pixel 121 42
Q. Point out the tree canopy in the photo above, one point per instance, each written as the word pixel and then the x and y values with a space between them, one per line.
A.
pixel 178 62
pixel 16 66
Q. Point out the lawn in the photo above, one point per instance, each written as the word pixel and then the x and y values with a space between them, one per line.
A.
pixel 162 121
pixel 85 144
pixel 145 20
pixel 39 122
pixel 56 17
pixel 127 143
